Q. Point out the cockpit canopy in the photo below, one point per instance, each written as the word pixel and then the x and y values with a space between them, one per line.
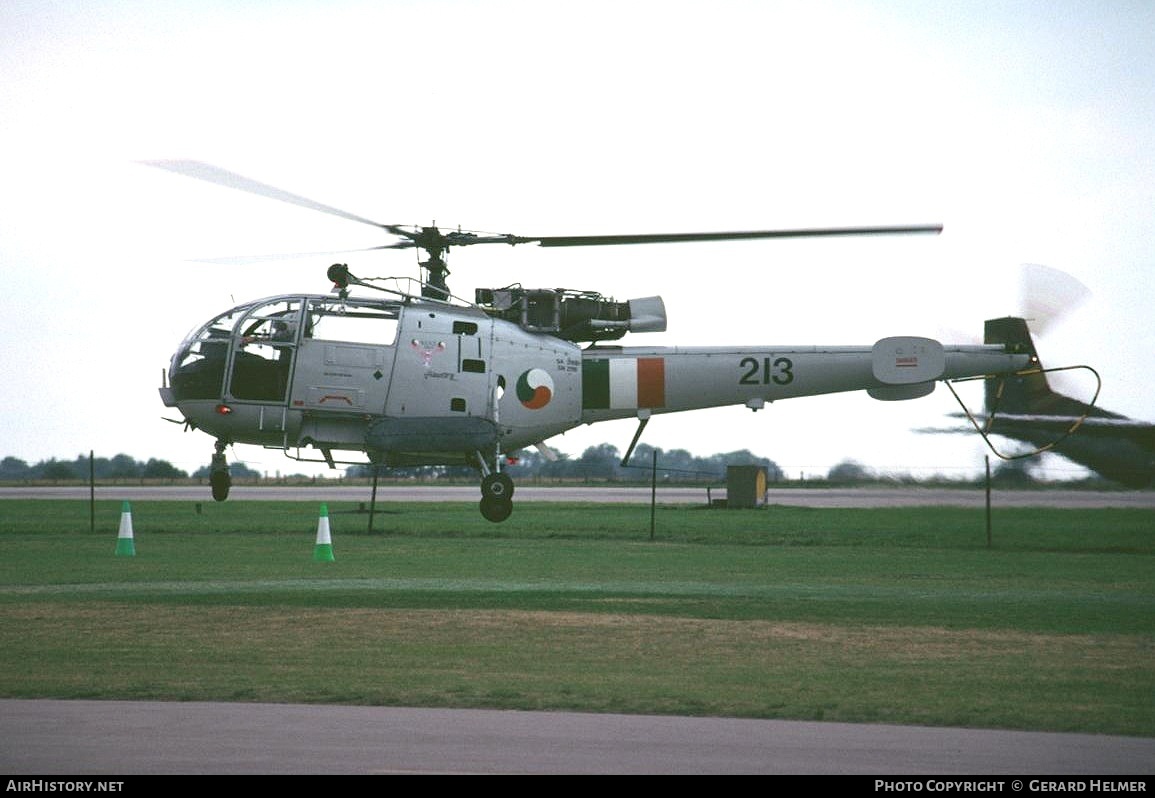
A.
pixel 247 352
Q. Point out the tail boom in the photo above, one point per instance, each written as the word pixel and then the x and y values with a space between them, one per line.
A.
pixel 621 382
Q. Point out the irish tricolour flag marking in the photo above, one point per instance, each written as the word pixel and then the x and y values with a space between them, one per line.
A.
pixel 624 383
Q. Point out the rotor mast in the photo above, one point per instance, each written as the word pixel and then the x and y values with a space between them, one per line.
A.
pixel 436 269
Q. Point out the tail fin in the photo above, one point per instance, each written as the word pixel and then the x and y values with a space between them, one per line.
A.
pixel 1023 407
pixel 1030 393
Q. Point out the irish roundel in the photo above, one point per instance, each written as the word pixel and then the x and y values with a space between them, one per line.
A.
pixel 535 388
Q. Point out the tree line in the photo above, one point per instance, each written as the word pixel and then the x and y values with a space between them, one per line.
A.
pixel 602 463
pixel 598 463
pixel 122 466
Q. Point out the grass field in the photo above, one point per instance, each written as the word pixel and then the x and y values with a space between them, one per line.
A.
pixel 892 615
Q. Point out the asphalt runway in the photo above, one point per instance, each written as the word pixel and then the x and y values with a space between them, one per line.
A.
pixel 120 738
pixel 912 496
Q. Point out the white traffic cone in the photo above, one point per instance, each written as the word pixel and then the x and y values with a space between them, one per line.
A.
pixel 125 547
pixel 323 550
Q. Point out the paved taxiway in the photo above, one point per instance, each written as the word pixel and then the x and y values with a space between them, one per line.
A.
pixel 125 738
pixel 804 497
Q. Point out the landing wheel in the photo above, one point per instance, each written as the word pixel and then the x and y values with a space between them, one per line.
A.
pixel 497 486
pixel 496 510
pixel 221 481
pixel 219 477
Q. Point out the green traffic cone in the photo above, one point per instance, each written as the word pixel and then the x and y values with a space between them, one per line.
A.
pixel 323 551
pixel 125 547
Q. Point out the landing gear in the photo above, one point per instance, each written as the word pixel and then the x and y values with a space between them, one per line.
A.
pixel 496 510
pixel 496 493
pixel 497 486
pixel 219 478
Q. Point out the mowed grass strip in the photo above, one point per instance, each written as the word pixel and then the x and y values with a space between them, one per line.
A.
pixel 786 613
pixel 1124 530
pixel 600 662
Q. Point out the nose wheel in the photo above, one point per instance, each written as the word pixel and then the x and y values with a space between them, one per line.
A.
pixel 497 486
pixel 496 497
pixel 496 510
pixel 220 480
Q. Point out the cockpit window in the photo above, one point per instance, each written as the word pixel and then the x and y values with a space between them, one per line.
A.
pixel 276 322
pixel 265 342
pixel 198 369
pixel 335 320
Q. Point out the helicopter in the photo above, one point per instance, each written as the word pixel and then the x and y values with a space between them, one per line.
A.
pixel 412 375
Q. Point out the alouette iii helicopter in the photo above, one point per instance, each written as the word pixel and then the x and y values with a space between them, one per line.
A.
pixel 428 379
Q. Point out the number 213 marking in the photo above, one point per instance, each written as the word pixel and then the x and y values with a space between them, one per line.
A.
pixel 779 371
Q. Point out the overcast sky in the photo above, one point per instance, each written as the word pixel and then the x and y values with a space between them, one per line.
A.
pixel 1026 128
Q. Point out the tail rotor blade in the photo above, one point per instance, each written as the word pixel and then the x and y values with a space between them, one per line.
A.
pixel 1047 295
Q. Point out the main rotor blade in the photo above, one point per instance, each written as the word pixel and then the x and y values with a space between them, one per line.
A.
pixel 671 238
pixel 245 260
pixel 223 177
